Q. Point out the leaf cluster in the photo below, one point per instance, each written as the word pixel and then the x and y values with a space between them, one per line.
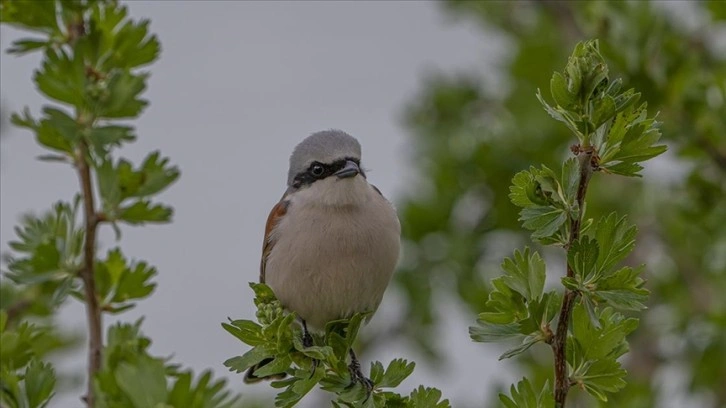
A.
pixel 593 350
pixel 131 377
pixel 518 308
pixel 524 396
pixel 601 115
pixel 92 55
pixel 468 135
pixel 594 259
pixel 26 381
pixel 48 251
pixel 548 201
pixel 612 137
pixel 276 340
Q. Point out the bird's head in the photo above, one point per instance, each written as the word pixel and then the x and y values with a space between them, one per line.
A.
pixel 325 168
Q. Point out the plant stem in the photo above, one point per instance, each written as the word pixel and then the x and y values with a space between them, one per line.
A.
pixel 93 311
pixel 562 382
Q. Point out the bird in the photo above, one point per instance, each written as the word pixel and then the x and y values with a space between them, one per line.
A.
pixel 332 242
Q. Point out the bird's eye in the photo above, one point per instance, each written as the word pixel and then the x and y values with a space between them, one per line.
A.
pixel 317 169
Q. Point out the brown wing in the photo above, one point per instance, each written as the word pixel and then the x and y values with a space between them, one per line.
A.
pixel 277 212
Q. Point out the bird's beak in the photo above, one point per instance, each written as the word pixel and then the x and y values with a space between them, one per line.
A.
pixel 351 169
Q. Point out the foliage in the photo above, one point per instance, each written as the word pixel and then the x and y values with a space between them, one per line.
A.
pixel 473 133
pixel 92 55
pixel 277 339
pixel 614 136
pixel 133 378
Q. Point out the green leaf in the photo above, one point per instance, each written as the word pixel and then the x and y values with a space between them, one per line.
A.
pixel 616 239
pixel 242 363
pixel 604 111
pixel 582 257
pixel 397 371
pixel 601 377
pixel 525 274
pixel 119 182
pixel 534 327
pixel 205 393
pixel 424 397
pixel 543 220
pixel 593 351
pixel 120 97
pixel 119 281
pixel 263 293
pixel 127 43
pixel 524 396
pixel 42 266
pixel 607 341
pixel 570 180
pixel 25 120
pixel 104 137
pixel 135 282
pixel 347 328
pixel 156 174
pixel 486 332
pixel 560 93
pixel 144 382
pixel 561 115
pixel 56 130
pixel 630 141
pixel 246 330
pixel 297 387
pixel 279 364
pixel 527 342
pixel 524 190
pixel 315 352
pixel 589 306
pixel 623 289
pixel 39 383
pixel 142 212
pixel 62 77
pixel 24 46
pixel 39 16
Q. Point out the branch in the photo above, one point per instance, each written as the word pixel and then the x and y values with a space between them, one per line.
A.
pixel 93 311
pixel 586 157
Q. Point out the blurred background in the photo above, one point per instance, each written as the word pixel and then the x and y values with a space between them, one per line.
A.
pixel 441 96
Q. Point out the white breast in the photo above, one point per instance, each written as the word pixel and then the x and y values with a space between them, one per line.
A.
pixel 334 257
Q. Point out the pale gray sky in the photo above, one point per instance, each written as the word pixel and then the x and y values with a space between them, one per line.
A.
pixel 237 86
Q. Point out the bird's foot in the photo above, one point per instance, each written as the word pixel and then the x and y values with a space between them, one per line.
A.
pixel 307 341
pixel 356 375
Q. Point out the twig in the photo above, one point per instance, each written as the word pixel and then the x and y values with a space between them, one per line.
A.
pixel 562 383
pixel 93 311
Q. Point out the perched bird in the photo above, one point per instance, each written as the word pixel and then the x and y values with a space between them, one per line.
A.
pixel 332 242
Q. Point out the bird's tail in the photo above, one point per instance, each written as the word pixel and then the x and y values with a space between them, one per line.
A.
pixel 251 378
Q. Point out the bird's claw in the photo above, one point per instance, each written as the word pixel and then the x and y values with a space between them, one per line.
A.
pixel 356 375
pixel 307 341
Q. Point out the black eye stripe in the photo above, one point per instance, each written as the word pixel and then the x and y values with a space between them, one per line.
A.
pixel 314 173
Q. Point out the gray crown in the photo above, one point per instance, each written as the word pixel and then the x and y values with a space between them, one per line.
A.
pixel 325 147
